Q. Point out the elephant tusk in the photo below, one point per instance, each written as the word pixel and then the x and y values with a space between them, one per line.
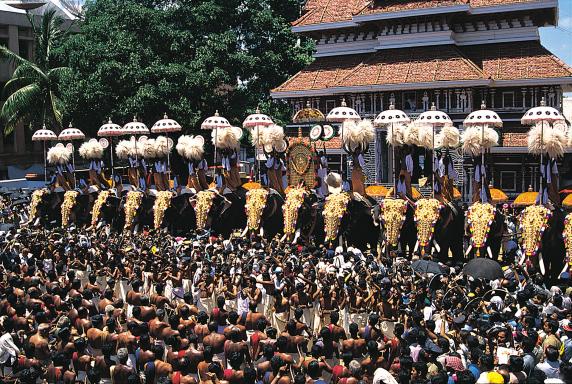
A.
pixel 437 247
pixel 469 249
pixel 261 231
pixel 490 252
pixel 416 246
pixel 564 270
pixel 541 263
pixel 244 232
pixel 522 259
pixel 283 238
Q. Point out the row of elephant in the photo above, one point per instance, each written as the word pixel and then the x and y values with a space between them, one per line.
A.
pixel 361 225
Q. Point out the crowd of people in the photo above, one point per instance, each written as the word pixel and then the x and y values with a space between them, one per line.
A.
pixel 102 307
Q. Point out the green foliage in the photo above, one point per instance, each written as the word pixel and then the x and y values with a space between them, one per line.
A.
pixel 183 57
pixel 33 93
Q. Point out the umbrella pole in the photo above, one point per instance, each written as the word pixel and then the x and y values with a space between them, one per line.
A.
pixel 256 161
pixel 342 151
pixel 541 191
pixel 168 162
pixel 214 160
pixel 433 162
pixel 482 162
pixel 394 169
pixel 73 165
pixel 45 164
pixel 112 168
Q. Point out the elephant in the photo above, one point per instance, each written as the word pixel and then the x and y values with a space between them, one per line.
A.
pixel 406 234
pixel 49 210
pixel 493 243
pixel 271 218
pixel 450 232
pixel 445 235
pixel 144 216
pixel 358 226
pixel 551 253
pixel 180 217
pixel 306 221
pixel 226 212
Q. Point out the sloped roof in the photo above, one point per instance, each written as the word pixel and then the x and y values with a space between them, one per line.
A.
pixel 332 11
pixel 411 66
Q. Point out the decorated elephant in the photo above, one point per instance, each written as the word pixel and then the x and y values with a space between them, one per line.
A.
pixel 351 219
pixel 440 229
pixel 301 216
pixel 542 233
pixel 486 227
pixel 45 207
pixel 397 226
pixel 180 216
pixel 264 212
pixel 220 213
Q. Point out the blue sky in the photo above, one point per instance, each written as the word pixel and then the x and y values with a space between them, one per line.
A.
pixel 558 40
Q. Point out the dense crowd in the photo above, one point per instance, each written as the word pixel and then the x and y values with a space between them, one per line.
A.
pixel 101 307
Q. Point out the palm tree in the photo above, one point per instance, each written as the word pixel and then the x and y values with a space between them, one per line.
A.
pixel 33 93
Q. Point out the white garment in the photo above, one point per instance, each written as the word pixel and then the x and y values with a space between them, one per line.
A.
pixel 382 376
pixel 7 348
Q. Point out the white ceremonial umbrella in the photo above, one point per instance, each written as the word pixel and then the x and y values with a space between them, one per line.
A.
pixel 483 118
pixel 435 119
pixel 257 120
pixel 339 115
pixel 215 122
pixel 70 134
pixel 387 119
pixel 44 135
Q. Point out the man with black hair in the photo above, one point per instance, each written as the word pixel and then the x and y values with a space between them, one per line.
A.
pixel 551 364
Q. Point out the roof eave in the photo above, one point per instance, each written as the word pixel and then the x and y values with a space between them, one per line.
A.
pixel 521 6
pixel 324 26
pixel 562 80
pixel 379 87
pixel 411 13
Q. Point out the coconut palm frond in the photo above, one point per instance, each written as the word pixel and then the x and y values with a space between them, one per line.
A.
pixel 24 99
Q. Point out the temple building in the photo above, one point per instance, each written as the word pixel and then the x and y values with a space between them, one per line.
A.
pixel 456 54
pixel 18 154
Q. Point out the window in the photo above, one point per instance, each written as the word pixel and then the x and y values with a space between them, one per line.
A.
pixel 409 101
pixel 508 181
pixel 508 100
pixel 330 104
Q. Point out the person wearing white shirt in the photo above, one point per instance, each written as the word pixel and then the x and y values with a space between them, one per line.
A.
pixel 8 349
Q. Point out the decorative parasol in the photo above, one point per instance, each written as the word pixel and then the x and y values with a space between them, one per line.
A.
pixel 215 122
pixel 498 196
pixel 44 135
pixel 339 115
pixel 483 119
pixel 166 126
pixel 434 119
pixel 414 191
pixel 376 191
pixel 526 198
pixel 483 268
pixel 110 130
pixel 135 128
pixel 567 202
pixel 543 115
pixel 308 115
pixel 256 122
pixel 71 134
pixel 251 185
pixel 387 119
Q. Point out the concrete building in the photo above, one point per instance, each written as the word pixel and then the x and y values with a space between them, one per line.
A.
pixel 18 154
pixel 454 53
